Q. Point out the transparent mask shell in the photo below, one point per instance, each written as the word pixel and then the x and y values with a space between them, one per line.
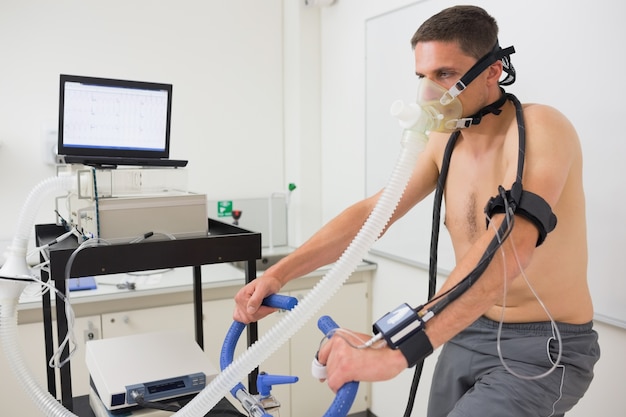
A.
pixel 443 117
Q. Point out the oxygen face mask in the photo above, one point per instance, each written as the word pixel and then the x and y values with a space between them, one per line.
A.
pixel 428 113
pixel 444 117
pixel 443 106
pixel 439 110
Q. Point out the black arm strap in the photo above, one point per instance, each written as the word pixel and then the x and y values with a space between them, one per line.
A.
pixel 528 205
pixel 416 347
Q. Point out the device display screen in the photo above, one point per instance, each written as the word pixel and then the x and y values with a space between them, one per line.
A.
pixel 153 389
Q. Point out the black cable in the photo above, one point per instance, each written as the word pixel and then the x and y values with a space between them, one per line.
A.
pixel 493 246
pixel 456 291
pixel 434 240
pixel 155 405
pixel 25 279
pixel 417 375
pixel 462 286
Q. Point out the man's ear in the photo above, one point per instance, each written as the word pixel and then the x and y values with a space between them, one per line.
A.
pixel 494 72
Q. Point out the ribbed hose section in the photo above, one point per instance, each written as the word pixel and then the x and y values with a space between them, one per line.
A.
pixel 320 294
pixel 16 267
pixel 8 340
pixel 26 221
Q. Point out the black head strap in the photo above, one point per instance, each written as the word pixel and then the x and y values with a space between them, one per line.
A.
pixel 497 53
pixel 495 108
pixel 508 67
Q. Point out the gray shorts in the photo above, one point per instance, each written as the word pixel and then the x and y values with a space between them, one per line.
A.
pixel 470 380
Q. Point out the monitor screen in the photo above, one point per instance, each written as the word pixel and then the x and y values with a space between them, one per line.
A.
pixel 114 118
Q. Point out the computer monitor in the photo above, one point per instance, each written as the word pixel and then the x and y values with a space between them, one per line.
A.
pixel 105 121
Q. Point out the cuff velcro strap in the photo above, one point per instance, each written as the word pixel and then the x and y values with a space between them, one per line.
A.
pixel 416 347
pixel 528 205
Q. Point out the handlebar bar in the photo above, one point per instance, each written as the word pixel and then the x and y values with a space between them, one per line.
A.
pixel 346 394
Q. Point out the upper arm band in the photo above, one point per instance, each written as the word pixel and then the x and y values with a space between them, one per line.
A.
pixel 530 206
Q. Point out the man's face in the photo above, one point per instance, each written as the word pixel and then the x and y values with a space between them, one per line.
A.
pixel 445 63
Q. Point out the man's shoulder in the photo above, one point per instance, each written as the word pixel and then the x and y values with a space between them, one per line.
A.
pixel 550 133
pixel 544 121
pixel 538 110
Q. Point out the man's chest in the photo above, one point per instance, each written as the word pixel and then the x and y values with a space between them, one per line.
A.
pixel 471 182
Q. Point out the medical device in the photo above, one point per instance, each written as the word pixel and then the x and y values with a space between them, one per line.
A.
pixel 110 122
pixel 120 205
pixel 149 367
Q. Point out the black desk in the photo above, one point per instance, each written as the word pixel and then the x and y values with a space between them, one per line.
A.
pixel 225 243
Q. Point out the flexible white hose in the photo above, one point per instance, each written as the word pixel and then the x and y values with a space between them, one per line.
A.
pixel 16 267
pixel 15 264
pixel 26 221
pixel 323 291
pixel 10 346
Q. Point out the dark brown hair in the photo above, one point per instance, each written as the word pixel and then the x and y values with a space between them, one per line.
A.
pixel 471 27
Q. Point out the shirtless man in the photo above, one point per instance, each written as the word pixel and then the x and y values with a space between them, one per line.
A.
pixel 470 379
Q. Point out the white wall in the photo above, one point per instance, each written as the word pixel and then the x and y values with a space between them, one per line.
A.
pixel 343 182
pixel 265 93
pixel 224 59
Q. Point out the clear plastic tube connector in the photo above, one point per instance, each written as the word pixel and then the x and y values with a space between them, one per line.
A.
pixel 407 114
pixel 413 120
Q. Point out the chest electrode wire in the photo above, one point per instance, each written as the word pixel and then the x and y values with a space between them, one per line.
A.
pixel 556 335
pixel 354 340
pixel 444 299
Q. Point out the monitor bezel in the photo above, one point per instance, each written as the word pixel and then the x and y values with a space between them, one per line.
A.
pixel 113 152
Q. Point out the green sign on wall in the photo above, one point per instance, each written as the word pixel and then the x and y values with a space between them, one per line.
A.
pixel 224 208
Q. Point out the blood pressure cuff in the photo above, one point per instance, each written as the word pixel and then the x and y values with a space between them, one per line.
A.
pixel 528 205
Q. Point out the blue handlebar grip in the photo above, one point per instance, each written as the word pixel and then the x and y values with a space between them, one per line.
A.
pixel 284 302
pixel 326 324
pixel 234 332
pixel 343 400
pixel 347 393
pixel 228 351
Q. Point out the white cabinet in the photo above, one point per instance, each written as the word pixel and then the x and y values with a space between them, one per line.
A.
pixel 349 308
pixel 125 323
